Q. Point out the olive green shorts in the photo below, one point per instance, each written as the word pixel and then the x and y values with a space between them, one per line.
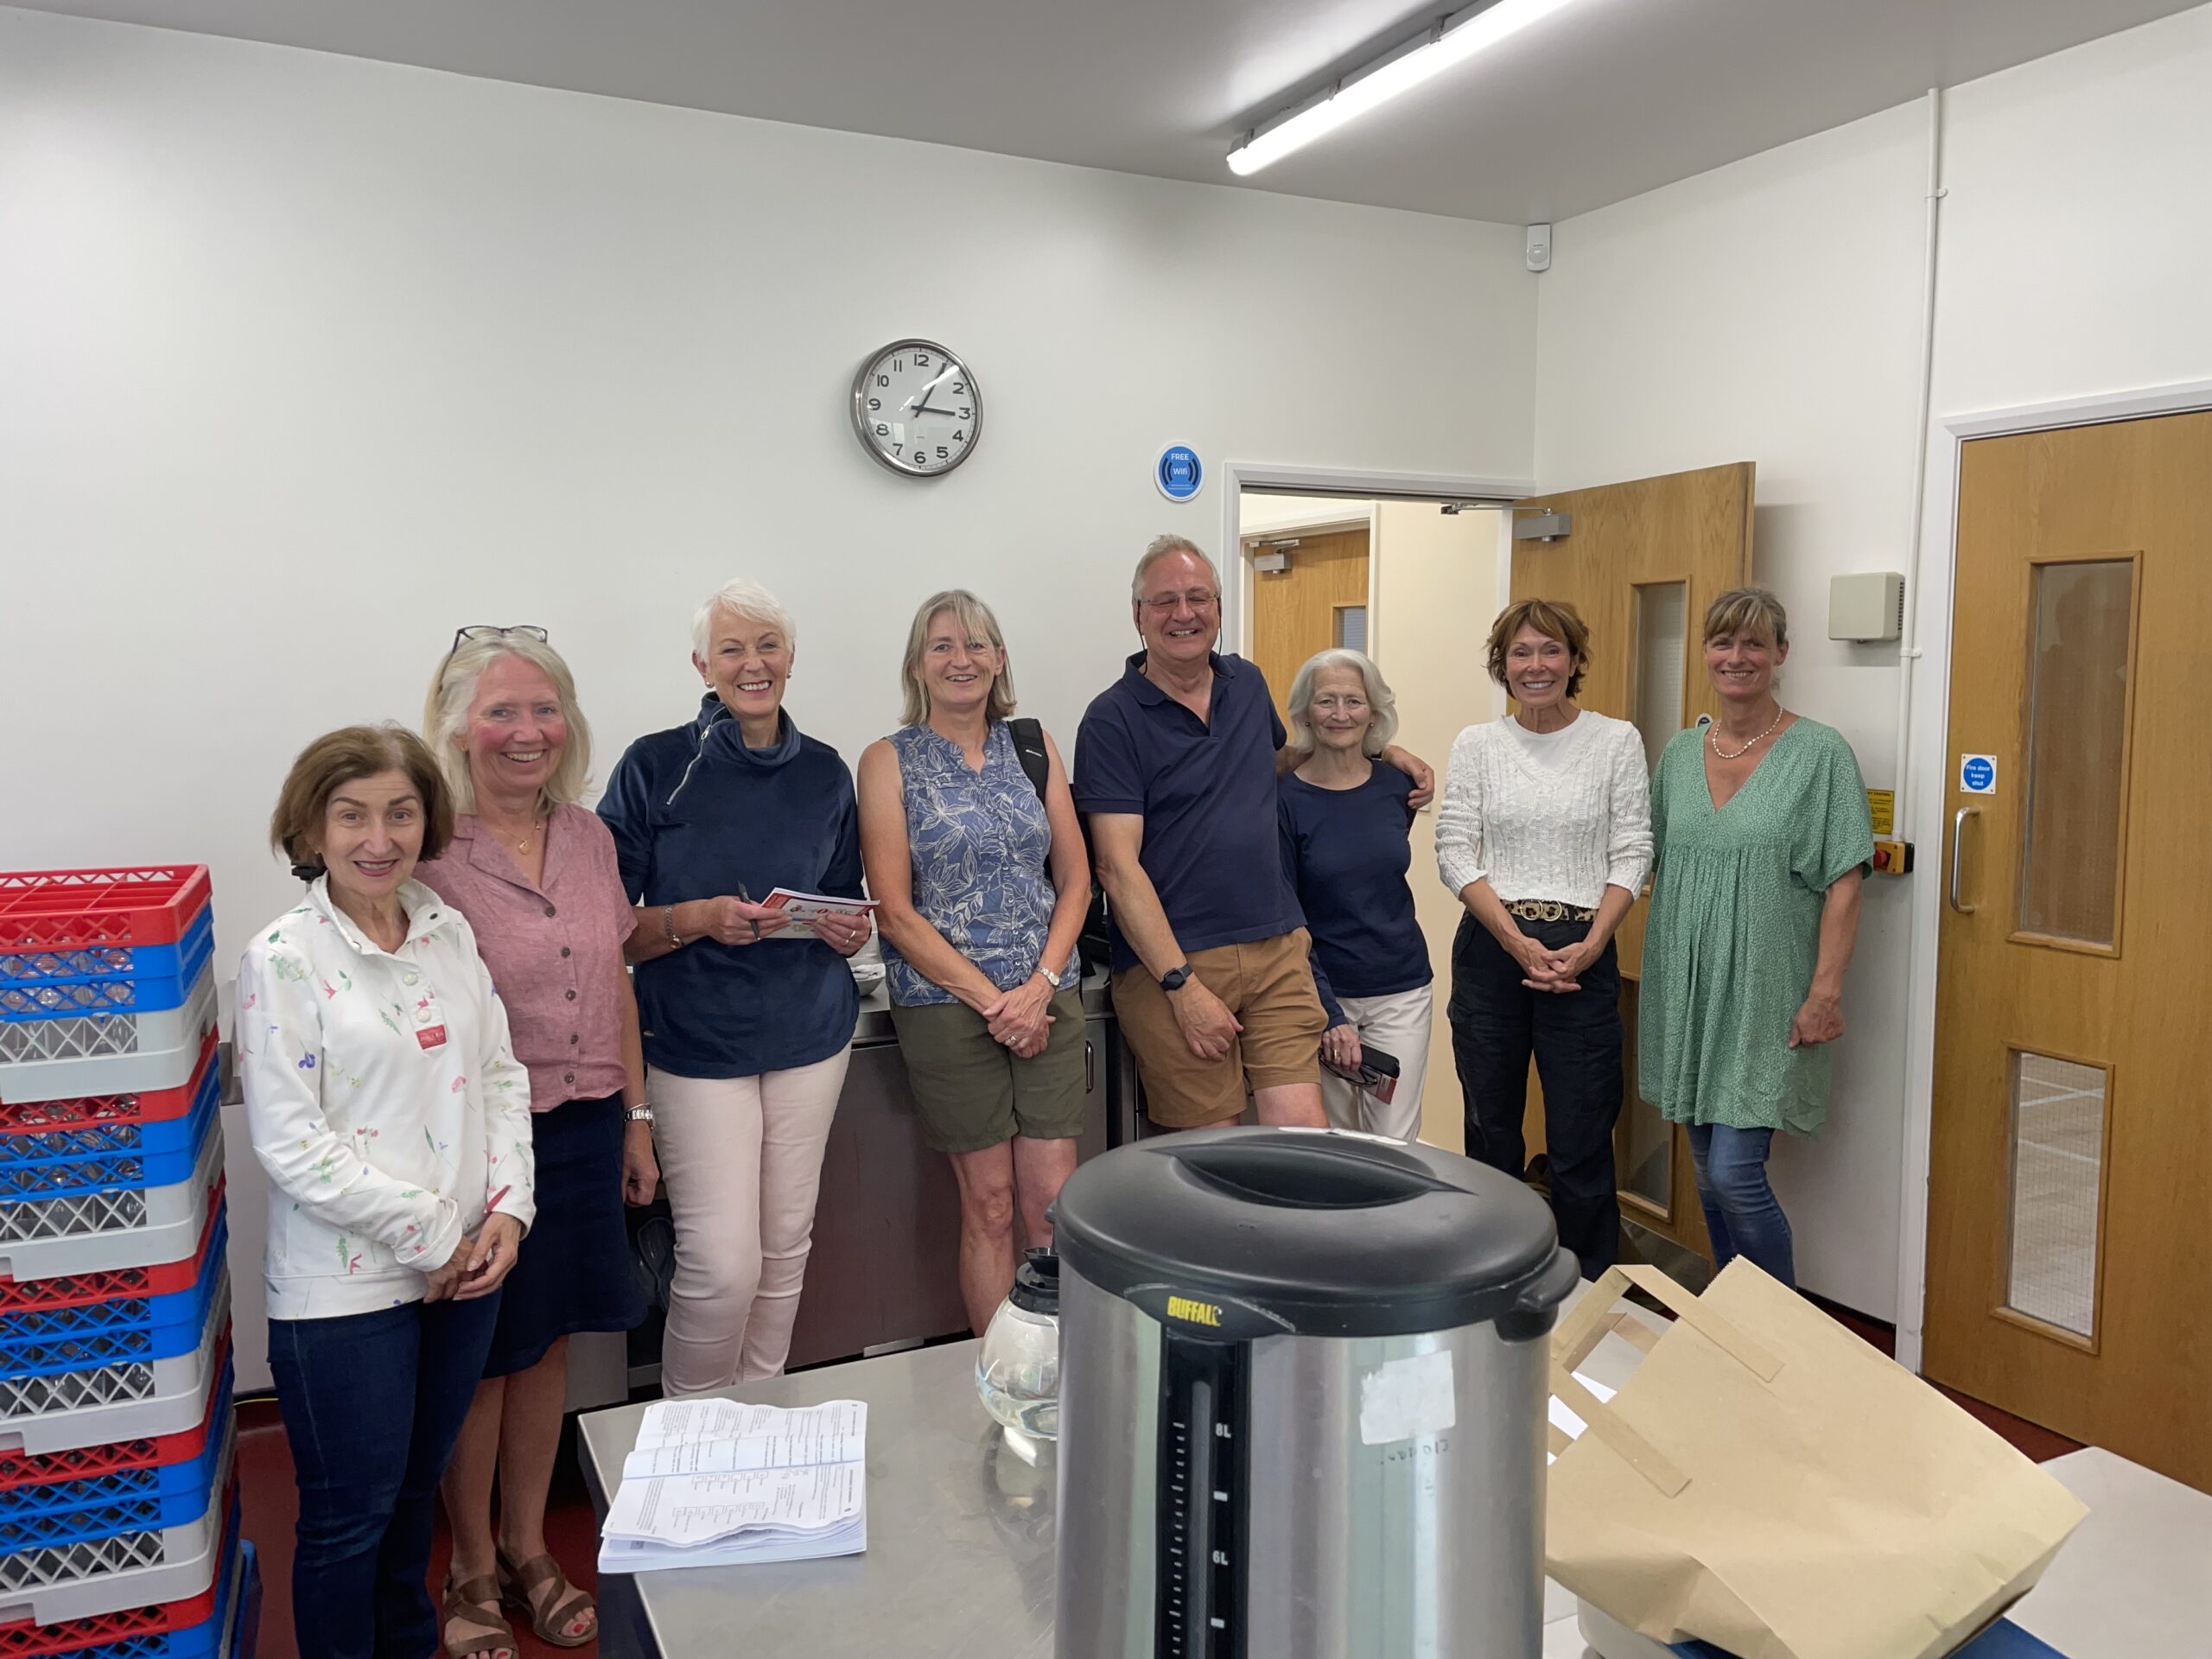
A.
pixel 970 1090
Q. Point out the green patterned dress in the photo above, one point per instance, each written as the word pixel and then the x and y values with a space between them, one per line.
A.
pixel 1735 929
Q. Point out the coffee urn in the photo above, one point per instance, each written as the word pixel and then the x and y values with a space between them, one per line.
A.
pixel 1302 1400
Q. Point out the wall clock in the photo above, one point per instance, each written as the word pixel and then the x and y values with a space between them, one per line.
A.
pixel 917 407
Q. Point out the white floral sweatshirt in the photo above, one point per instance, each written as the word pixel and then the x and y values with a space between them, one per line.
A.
pixel 382 1097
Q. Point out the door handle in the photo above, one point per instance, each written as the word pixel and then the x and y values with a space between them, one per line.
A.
pixel 1090 1082
pixel 1958 854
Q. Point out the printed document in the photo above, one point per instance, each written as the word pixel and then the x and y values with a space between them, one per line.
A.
pixel 716 1483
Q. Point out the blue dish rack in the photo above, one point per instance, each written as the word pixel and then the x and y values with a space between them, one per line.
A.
pixel 41 1342
pixel 79 1160
pixel 118 1515
pixel 106 979
pixel 42 1515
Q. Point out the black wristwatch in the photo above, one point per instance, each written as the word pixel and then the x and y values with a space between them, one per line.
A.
pixel 1175 978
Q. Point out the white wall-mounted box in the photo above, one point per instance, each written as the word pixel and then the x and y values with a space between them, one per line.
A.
pixel 1868 606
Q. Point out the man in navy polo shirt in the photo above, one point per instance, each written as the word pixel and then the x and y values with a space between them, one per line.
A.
pixel 1175 772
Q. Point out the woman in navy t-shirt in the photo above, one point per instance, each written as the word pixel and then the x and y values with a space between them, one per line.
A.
pixel 1346 824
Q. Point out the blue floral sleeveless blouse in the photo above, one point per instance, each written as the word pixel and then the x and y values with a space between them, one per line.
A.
pixel 979 844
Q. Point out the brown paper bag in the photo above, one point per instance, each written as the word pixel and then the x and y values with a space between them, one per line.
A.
pixel 1768 1482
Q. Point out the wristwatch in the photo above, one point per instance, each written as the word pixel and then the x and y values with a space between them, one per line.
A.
pixel 639 1114
pixel 1051 979
pixel 1175 978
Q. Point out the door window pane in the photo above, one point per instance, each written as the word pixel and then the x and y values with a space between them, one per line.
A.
pixel 2077 739
pixel 1351 627
pixel 2058 1138
pixel 1661 630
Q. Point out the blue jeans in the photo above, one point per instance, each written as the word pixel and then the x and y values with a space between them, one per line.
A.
pixel 1741 1212
pixel 372 1404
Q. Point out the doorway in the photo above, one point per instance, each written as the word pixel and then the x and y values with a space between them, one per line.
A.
pixel 1311 582
pixel 2070 1152
pixel 1427 584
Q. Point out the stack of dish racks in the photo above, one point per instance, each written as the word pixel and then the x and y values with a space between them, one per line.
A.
pixel 118 1494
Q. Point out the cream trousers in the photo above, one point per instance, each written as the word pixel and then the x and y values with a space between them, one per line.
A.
pixel 741 1158
pixel 1398 1024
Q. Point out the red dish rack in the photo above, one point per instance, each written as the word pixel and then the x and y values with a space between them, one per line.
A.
pixel 118 1480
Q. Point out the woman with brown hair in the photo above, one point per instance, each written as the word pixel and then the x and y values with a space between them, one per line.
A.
pixel 1544 835
pixel 384 1102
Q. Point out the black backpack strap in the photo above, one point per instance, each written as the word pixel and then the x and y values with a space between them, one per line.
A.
pixel 1028 737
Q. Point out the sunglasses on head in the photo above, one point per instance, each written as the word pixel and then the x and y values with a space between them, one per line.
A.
pixel 491 631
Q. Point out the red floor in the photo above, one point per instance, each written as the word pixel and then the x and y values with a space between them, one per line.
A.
pixel 272 1506
pixel 265 1479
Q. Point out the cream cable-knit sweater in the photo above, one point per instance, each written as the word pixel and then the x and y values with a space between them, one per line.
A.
pixel 1564 827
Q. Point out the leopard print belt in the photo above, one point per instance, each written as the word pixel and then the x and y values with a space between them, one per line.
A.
pixel 1548 910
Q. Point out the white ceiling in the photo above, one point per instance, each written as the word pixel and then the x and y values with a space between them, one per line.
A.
pixel 1606 99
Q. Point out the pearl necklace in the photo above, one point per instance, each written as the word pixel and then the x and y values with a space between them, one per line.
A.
pixel 1713 737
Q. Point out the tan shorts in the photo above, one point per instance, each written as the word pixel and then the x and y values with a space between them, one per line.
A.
pixel 1268 986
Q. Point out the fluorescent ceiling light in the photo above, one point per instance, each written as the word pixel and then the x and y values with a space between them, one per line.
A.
pixel 1454 40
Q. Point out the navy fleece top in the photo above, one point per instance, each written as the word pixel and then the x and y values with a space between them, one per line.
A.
pixel 697 815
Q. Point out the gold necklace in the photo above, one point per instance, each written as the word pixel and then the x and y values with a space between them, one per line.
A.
pixel 523 846
pixel 1713 737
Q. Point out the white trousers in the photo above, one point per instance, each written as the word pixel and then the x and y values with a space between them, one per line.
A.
pixel 741 1158
pixel 1399 1025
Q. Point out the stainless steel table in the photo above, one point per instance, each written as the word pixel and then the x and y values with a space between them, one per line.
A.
pixel 959 1554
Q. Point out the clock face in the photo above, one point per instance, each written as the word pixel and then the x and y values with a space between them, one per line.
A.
pixel 917 407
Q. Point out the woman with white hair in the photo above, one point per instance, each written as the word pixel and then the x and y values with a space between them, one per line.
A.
pixel 535 873
pixel 1346 825
pixel 748 1018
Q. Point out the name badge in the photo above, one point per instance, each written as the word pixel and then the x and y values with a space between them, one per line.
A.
pixel 431 1037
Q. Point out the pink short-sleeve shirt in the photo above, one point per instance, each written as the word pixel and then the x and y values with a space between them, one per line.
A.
pixel 554 947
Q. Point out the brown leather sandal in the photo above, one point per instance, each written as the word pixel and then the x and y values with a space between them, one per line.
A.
pixel 477 1602
pixel 519 1588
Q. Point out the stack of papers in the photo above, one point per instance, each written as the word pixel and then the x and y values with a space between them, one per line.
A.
pixel 713 1482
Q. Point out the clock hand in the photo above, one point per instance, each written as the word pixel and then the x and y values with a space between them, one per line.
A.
pixel 920 399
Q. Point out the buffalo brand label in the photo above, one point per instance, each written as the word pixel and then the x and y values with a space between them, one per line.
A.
pixel 1193 1312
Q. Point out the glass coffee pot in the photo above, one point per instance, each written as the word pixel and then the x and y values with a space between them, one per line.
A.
pixel 1018 1370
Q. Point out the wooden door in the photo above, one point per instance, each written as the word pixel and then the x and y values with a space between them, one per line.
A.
pixel 1309 605
pixel 2071 1163
pixel 1641 561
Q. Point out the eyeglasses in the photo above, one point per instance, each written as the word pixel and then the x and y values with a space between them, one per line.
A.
pixel 1165 604
pixel 490 630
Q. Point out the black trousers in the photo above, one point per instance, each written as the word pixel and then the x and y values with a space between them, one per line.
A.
pixel 1575 1036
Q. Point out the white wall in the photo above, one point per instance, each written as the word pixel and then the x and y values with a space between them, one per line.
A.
pixel 305 361
pixel 1769 311
pixel 309 359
